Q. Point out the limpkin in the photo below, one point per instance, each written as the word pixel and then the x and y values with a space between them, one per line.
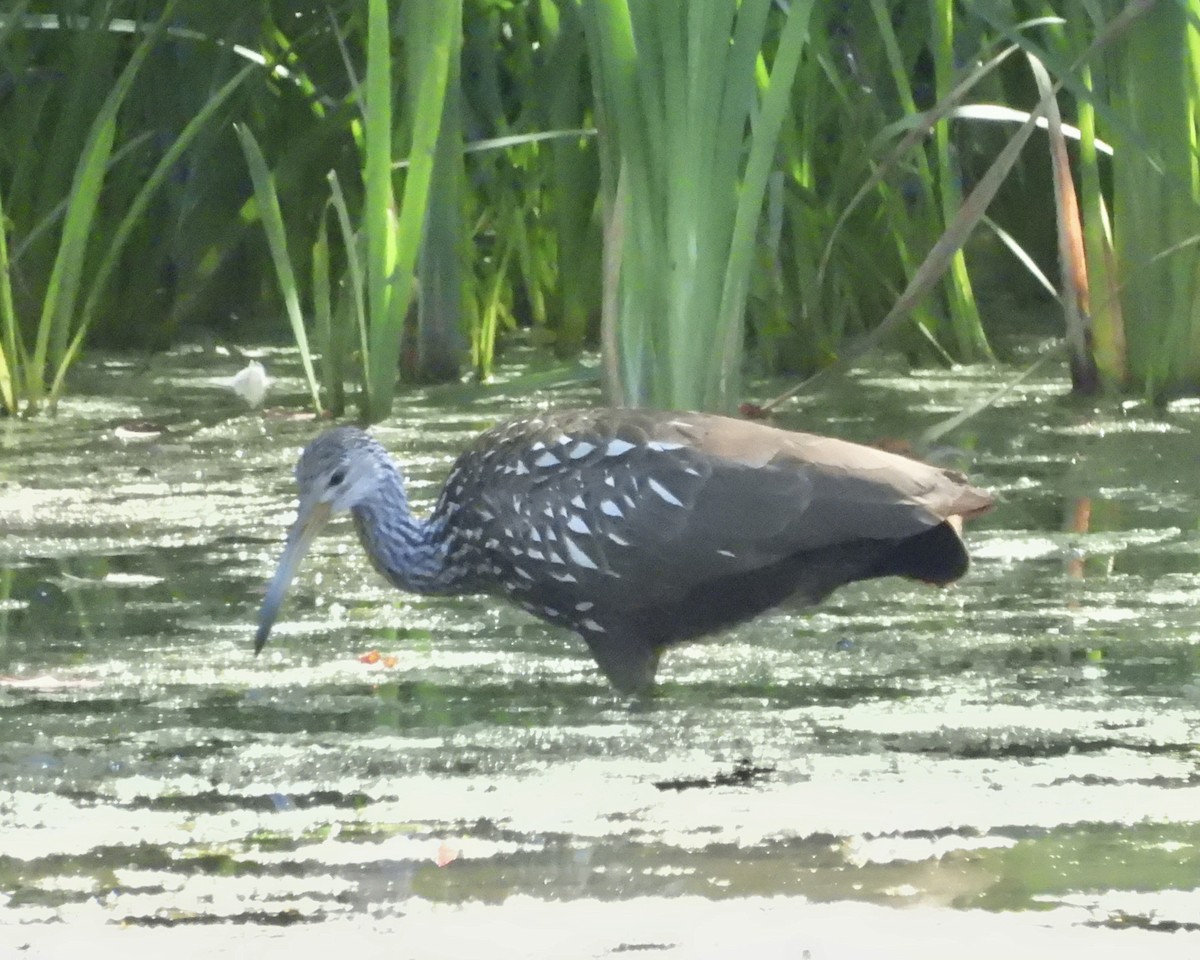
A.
pixel 638 529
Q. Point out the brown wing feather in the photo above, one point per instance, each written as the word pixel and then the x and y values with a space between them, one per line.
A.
pixel 622 508
pixel 943 493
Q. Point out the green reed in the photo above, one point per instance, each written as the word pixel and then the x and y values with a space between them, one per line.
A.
pixel 688 136
pixel 1155 91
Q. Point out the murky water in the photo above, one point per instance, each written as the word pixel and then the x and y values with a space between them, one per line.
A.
pixel 1013 761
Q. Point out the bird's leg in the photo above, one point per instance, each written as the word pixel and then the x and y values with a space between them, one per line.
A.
pixel 628 661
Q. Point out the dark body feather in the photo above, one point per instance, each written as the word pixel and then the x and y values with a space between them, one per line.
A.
pixel 641 529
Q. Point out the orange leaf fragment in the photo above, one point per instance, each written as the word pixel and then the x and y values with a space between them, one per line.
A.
pixel 446 855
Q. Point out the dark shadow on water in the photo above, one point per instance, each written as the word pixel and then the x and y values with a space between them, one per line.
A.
pixel 743 774
pixel 266 918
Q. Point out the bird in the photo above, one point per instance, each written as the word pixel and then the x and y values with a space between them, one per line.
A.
pixel 638 529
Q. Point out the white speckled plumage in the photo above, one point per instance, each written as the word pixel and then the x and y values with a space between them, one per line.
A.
pixel 639 529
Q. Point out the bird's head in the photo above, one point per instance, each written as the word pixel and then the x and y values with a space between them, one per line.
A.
pixel 336 472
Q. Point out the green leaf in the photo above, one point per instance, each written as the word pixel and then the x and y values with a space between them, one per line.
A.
pixel 272 220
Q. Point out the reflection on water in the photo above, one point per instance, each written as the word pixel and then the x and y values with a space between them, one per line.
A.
pixel 1021 742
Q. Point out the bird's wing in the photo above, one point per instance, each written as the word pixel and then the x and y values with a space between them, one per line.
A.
pixel 627 506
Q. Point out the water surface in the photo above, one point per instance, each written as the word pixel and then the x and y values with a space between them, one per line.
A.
pixel 1012 758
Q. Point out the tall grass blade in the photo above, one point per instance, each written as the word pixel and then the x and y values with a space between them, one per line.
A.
pixel 393 242
pixel 272 221
pixel 133 218
pixel 1157 196
pixel 379 215
pixel 438 342
pixel 332 353
pixel 684 124
pixel 939 257
pixel 355 275
pixel 612 378
pixel 776 97
pixel 915 127
pixel 58 211
pixel 1076 294
pixel 1107 321
pixel 63 287
pixel 12 363
pixel 964 312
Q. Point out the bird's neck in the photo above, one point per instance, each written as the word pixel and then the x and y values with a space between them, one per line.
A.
pixel 410 551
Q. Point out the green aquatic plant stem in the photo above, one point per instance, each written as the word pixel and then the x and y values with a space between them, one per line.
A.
pixel 356 309
pixel 685 126
pixel 1104 302
pixel 324 331
pixel 272 221
pixel 394 239
pixel 776 98
pixel 379 212
pixel 66 277
pixel 902 215
pixel 970 340
pixel 436 352
pixel 573 181
pixel 13 364
pixel 134 217
pixel 1157 197
pixel 52 344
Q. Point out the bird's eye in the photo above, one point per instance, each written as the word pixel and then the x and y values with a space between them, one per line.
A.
pixel 336 478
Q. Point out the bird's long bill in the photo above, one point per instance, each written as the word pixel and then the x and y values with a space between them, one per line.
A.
pixel 308 524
